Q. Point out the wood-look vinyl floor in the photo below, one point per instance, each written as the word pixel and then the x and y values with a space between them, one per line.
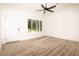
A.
pixel 44 46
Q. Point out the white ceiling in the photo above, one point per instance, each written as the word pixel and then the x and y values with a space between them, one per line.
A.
pixel 26 6
pixel 36 6
pixel 29 6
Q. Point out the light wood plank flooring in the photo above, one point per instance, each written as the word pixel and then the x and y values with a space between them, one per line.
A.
pixel 44 46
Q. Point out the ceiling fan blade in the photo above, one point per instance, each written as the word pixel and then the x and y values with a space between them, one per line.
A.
pixel 44 12
pixel 52 7
pixel 39 10
pixel 42 6
pixel 50 10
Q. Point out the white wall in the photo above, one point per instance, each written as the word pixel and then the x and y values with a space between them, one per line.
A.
pixel 11 19
pixel 0 25
pixel 64 22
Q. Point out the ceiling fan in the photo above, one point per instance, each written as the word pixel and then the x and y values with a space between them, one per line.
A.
pixel 45 8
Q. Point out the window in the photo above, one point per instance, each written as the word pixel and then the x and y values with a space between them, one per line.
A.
pixel 29 25
pixel 34 25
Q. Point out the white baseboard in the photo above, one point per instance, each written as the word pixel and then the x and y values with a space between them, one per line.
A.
pixel 68 38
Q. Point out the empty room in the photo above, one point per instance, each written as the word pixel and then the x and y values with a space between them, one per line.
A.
pixel 39 29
